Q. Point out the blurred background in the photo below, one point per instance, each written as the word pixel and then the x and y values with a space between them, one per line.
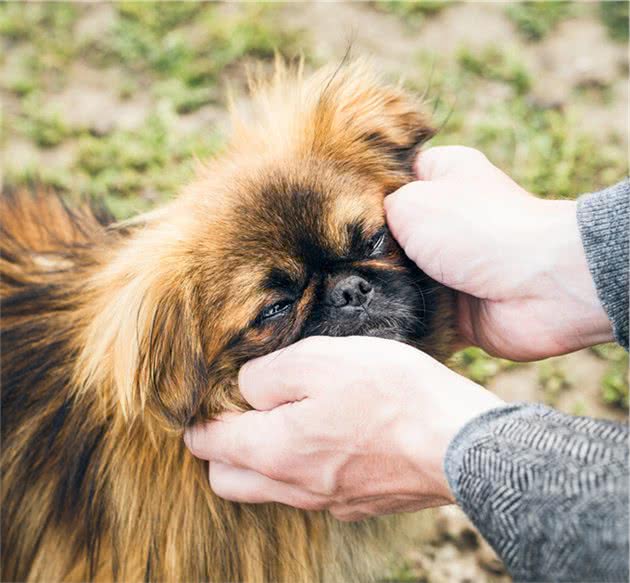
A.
pixel 115 100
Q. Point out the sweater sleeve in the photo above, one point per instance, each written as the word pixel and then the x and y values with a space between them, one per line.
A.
pixel 604 222
pixel 548 491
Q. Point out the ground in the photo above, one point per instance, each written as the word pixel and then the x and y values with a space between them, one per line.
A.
pixel 115 100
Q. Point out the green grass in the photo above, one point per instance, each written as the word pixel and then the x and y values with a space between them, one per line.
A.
pixel 614 14
pixel 43 125
pixel 151 40
pixel 614 388
pixel 545 151
pixel 47 28
pixel 150 160
pixel 130 170
pixel 415 10
pixel 535 20
pixel 174 52
pixel 478 366
pixel 615 385
pixel 28 22
pixel 552 381
pixel 496 64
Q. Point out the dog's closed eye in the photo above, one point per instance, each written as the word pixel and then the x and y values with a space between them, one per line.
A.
pixel 277 310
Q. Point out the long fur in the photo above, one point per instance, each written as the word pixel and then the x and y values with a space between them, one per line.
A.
pixel 113 342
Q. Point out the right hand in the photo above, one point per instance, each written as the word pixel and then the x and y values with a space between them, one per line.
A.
pixel 525 289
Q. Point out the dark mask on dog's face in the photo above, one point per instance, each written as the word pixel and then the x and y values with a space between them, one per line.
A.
pixel 327 265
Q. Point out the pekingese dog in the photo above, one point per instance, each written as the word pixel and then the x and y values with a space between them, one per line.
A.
pixel 115 337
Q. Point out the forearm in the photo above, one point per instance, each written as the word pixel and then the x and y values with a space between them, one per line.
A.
pixel 548 491
pixel 604 223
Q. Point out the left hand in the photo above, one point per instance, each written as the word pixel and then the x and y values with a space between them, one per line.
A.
pixel 358 426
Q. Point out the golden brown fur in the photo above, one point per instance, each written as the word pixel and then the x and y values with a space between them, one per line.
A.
pixel 115 337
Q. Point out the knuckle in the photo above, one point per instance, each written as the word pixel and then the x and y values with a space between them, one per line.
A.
pixel 345 515
pixel 336 512
pixel 273 466
pixel 313 505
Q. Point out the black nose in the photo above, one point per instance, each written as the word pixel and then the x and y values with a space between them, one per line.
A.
pixel 352 291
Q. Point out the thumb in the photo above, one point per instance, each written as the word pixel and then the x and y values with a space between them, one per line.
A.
pixel 444 161
pixel 272 380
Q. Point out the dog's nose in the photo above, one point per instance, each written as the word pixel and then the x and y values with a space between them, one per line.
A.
pixel 351 292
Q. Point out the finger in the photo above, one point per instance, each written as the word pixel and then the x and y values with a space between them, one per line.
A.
pixel 416 215
pixel 349 514
pixel 270 381
pixel 284 376
pixel 405 210
pixel 442 161
pixel 252 440
pixel 247 486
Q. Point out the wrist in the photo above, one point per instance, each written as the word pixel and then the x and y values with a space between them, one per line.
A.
pixel 565 278
pixel 432 422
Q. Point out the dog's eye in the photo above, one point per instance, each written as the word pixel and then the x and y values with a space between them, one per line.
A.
pixel 376 244
pixel 276 310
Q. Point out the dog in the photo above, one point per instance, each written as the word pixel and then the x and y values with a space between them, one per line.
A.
pixel 117 336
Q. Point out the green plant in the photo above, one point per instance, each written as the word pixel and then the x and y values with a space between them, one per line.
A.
pixel 552 380
pixel 478 366
pixel 149 39
pixel 414 9
pixel 535 19
pixel 47 27
pixel 615 384
pixel 615 14
pixel 30 21
pixel 150 163
pixel 545 151
pixel 42 124
pixel 497 65
pixel 609 351
pixel 614 387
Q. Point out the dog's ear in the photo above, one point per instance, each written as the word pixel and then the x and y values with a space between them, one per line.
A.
pixel 403 147
pixel 171 372
pixel 142 346
pixel 363 118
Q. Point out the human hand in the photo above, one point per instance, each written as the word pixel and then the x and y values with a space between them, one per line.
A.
pixel 355 425
pixel 526 291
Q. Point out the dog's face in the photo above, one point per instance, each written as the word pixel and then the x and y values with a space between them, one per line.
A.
pixel 312 255
pixel 282 238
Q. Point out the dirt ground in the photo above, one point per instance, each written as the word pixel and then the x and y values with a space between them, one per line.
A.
pixel 577 73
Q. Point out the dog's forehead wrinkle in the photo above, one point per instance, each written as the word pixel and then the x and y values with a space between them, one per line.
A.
pixel 283 221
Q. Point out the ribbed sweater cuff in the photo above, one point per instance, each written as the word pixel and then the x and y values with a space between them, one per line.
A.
pixel 604 222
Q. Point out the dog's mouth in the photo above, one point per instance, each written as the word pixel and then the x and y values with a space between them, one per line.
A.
pixel 391 325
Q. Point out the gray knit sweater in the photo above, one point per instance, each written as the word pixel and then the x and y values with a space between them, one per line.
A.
pixel 549 491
